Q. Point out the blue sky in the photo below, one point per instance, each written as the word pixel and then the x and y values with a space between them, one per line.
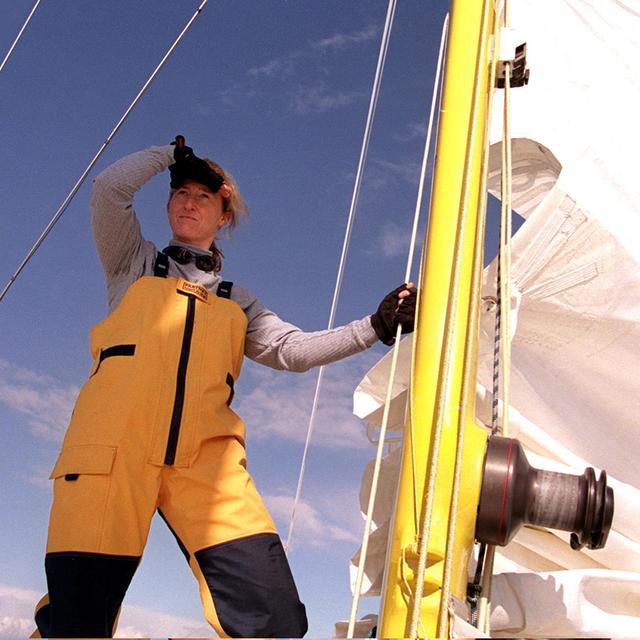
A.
pixel 278 93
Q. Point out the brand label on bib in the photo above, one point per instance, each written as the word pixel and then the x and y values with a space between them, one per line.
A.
pixel 194 289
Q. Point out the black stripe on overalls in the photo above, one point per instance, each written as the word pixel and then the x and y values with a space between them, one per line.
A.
pixel 161 269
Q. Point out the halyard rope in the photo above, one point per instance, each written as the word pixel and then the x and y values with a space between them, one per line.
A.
pixel 505 251
pixel 76 186
pixel 15 42
pixel 396 346
pixel 503 319
pixel 502 340
pixel 496 354
pixel 375 92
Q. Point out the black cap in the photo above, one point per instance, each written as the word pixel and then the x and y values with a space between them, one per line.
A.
pixel 196 169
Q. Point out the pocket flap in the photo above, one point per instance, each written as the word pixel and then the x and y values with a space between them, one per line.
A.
pixel 96 459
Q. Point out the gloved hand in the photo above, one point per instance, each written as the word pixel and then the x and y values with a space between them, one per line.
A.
pixel 181 151
pixel 188 166
pixel 397 307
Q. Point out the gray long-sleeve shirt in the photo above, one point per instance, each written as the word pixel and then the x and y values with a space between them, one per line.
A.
pixel 126 256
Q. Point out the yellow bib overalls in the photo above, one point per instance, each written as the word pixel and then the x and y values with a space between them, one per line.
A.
pixel 152 429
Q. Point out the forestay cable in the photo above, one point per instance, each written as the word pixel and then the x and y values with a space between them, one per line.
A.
pixel 15 42
pixel 375 91
pixel 396 347
pixel 76 186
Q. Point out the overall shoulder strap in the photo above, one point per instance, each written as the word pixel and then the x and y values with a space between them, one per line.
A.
pixel 161 265
pixel 224 289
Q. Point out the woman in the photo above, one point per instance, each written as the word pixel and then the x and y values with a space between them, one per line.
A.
pixel 152 428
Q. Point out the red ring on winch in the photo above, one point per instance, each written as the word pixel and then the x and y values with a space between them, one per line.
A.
pixel 505 487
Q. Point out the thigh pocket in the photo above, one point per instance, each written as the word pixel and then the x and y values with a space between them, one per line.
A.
pixel 82 480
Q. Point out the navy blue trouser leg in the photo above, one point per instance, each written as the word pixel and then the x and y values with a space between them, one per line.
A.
pixel 85 594
pixel 252 588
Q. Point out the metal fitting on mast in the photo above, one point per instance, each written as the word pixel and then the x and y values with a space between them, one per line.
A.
pixel 513 53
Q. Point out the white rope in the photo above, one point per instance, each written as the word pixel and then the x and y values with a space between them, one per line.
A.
pixel 375 92
pixel 15 42
pixel 504 296
pixel 484 604
pixel 76 186
pixel 437 88
pixel 396 347
pixel 505 252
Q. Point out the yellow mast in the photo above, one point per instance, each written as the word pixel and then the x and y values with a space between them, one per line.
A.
pixel 446 318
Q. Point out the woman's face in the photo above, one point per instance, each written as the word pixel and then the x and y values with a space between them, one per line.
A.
pixel 196 214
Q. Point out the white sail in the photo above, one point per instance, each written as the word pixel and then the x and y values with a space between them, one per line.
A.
pixel 575 373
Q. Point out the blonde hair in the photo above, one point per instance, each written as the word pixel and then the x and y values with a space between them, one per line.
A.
pixel 235 205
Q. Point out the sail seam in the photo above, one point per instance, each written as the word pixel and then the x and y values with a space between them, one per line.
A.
pixel 565 281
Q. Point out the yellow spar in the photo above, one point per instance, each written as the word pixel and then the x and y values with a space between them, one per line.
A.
pixel 443 374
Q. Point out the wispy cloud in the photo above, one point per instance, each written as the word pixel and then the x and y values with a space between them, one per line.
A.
pixel 287 64
pixel 415 131
pixel 16 618
pixel 38 476
pixel 318 98
pixel 138 622
pixel 316 526
pixel 315 98
pixel 342 40
pixel 279 404
pixel 382 173
pixel 16 611
pixel 279 66
pixel 392 240
pixel 45 404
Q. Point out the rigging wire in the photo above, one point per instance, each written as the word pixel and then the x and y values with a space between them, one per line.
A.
pixel 442 388
pixel 76 186
pixel 15 42
pixel 375 92
pixel 396 347
pixel 439 89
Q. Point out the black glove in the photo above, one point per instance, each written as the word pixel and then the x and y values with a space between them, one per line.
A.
pixel 188 166
pixel 181 151
pixel 393 312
